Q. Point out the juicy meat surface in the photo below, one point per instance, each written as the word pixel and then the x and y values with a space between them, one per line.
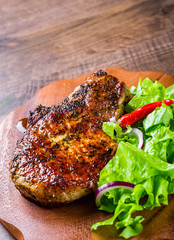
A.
pixel 60 156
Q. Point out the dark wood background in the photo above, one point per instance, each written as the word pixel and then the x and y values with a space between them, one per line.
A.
pixel 42 41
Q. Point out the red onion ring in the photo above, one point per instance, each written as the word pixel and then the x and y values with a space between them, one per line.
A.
pixel 22 125
pixel 110 186
pixel 112 119
pixel 140 137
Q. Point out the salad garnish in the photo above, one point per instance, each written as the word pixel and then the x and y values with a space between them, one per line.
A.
pixel 141 112
pixel 149 168
pixel 110 186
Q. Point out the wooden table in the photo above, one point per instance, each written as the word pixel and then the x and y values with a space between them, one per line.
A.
pixel 42 41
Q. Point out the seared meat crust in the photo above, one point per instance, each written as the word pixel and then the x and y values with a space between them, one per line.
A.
pixel 60 156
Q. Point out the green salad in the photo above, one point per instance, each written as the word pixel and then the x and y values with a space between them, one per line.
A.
pixel 150 168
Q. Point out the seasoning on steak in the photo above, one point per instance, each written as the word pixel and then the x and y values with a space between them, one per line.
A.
pixel 60 156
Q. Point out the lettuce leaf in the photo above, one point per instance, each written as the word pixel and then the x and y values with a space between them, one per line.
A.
pixel 117 133
pixel 170 92
pixel 150 169
pixel 148 92
pixel 152 177
pixel 133 165
pixel 161 116
pixel 160 139
pixel 160 144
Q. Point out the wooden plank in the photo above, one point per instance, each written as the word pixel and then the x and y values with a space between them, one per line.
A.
pixel 73 220
pixel 40 43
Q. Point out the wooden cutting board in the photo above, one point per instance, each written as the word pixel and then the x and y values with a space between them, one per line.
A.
pixel 72 221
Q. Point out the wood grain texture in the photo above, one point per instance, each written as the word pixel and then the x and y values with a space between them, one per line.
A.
pixel 42 41
pixel 71 221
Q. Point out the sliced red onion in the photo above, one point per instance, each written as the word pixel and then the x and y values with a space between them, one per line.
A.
pixel 112 119
pixel 21 126
pixel 140 137
pixel 110 186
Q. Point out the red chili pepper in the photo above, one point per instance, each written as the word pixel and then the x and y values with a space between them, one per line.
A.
pixel 141 112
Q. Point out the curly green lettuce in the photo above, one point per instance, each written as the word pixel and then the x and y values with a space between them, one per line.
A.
pixel 151 169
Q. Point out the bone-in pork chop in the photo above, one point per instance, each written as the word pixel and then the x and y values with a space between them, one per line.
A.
pixel 60 156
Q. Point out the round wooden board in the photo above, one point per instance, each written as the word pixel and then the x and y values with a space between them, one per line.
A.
pixel 71 221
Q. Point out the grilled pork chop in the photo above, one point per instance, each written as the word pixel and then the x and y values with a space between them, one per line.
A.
pixel 60 156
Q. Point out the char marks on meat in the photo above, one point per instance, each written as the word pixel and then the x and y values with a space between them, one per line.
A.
pixel 60 156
